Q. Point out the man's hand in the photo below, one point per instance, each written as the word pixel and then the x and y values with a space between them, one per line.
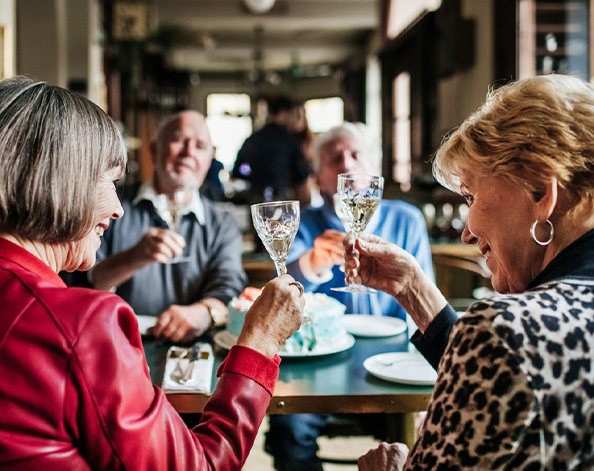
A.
pixel 180 324
pixel 327 251
pixel 386 457
pixel 157 245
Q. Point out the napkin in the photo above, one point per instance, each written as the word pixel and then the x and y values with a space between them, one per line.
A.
pixel 201 378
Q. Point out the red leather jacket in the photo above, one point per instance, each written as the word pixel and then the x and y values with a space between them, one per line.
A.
pixel 75 392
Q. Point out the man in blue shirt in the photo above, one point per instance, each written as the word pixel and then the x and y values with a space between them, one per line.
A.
pixel 316 258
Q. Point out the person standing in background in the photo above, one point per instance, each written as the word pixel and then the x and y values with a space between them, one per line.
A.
pixel 299 129
pixel 272 161
pixel 305 138
pixel 212 187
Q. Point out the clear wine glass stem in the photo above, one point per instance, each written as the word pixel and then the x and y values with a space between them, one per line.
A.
pixel 281 267
pixel 355 236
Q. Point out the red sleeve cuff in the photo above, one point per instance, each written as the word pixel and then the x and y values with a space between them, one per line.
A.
pixel 252 364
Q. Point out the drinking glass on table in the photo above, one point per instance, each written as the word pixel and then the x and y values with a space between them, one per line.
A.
pixel 276 224
pixel 359 198
pixel 172 212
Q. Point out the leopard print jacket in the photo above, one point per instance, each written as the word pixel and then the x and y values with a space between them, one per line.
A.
pixel 515 388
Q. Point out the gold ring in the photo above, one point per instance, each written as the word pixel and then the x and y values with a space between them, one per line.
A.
pixel 299 287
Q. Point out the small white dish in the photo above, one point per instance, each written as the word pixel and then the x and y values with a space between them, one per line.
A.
pixel 402 367
pixel 362 325
pixel 226 340
pixel 145 323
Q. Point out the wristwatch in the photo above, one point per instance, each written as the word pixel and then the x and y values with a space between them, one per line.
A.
pixel 218 318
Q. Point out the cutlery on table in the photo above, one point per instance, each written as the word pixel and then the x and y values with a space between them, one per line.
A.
pixel 195 354
pixel 177 374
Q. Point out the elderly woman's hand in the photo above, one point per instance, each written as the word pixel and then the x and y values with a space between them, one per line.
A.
pixel 391 269
pixel 380 265
pixel 386 457
pixel 275 315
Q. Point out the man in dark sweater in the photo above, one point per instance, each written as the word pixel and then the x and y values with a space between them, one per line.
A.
pixel 271 159
pixel 135 257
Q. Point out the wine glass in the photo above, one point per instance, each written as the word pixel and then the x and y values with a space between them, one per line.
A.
pixel 359 198
pixel 340 213
pixel 343 218
pixel 276 223
pixel 172 212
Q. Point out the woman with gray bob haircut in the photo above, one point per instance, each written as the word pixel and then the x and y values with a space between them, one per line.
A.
pixel 38 123
pixel 515 386
pixel 75 391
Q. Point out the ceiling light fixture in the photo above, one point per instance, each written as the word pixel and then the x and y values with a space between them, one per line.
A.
pixel 259 7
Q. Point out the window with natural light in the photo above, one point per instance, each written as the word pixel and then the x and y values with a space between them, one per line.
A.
pixel 402 13
pixel 401 169
pixel 229 122
pixel 324 113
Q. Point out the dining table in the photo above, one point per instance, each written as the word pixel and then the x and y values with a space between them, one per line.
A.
pixel 335 383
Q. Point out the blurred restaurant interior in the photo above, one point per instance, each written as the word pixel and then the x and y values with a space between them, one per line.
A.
pixel 411 70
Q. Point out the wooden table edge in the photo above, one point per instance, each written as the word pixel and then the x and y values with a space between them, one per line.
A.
pixel 347 404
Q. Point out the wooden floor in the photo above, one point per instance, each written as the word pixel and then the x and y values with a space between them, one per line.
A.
pixel 354 447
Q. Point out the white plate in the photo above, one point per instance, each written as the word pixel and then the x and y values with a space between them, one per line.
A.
pixel 402 367
pixel 145 323
pixel 226 340
pixel 373 326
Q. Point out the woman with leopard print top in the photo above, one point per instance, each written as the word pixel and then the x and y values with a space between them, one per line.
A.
pixel 515 387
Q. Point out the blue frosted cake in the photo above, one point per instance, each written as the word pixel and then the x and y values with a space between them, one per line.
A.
pixel 325 329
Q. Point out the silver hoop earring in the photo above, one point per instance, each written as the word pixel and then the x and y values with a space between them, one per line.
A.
pixel 539 242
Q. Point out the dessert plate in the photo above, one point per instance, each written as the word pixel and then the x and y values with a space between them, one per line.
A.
pixel 145 323
pixel 226 339
pixel 362 325
pixel 401 367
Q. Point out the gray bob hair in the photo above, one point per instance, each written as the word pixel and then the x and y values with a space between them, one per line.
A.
pixel 54 146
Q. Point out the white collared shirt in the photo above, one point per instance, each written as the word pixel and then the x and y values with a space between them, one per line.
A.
pixel 147 192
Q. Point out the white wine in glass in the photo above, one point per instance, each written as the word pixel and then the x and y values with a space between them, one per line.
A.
pixel 360 196
pixel 276 224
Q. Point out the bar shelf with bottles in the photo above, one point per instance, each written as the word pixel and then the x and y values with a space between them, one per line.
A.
pixel 445 215
pixel 562 40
